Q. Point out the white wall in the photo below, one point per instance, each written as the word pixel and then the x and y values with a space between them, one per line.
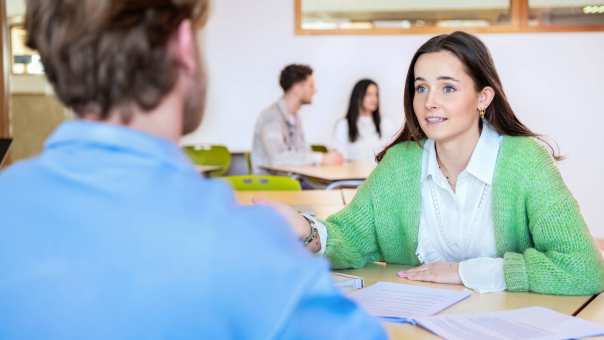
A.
pixel 15 7
pixel 553 80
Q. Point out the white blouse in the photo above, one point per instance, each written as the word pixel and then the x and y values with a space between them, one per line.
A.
pixel 458 226
pixel 368 143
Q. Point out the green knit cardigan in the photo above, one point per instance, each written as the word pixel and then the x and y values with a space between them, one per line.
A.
pixel 539 230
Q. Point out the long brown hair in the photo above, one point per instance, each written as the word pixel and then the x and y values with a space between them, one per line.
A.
pixel 480 67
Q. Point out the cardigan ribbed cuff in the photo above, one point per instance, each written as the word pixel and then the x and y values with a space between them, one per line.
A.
pixel 515 273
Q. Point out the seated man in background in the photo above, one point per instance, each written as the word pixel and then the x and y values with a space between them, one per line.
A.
pixel 111 233
pixel 278 135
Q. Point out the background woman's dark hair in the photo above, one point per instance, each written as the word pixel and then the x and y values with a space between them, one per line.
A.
pixel 354 107
pixel 480 67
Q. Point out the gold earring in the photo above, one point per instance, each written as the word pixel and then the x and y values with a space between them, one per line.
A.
pixel 481 112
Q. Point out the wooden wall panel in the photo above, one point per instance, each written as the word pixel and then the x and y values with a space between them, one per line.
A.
pixel 4 76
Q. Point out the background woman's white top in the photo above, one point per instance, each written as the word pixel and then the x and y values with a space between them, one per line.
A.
pixel 368 144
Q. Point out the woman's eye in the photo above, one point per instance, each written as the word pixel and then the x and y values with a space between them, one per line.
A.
pixel 449 89
pixel 420 89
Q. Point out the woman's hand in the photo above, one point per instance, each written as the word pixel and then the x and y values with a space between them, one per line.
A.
pixel 439 272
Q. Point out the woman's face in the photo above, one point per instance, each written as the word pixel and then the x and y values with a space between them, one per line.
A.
pixel 445 100
pixel 371 100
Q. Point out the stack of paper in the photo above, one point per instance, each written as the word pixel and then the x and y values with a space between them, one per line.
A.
pixel 398 302
pixel 527 323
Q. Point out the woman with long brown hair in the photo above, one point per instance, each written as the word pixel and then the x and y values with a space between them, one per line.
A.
pixel 466 192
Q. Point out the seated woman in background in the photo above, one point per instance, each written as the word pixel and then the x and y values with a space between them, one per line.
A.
pixel 363 133
pixel 466 192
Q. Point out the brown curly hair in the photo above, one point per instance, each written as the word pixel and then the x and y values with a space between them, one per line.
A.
pixel 102 55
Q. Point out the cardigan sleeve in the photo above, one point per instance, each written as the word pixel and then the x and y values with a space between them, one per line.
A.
pixel 381 221
pixel 352 241
pixel 564 260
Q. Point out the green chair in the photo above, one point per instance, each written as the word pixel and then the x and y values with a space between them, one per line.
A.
pixel 248 162
pixel 210 155
pixel 318 148
pixel 263 183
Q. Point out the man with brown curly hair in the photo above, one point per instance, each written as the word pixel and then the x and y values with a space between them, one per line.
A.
pixel 111 233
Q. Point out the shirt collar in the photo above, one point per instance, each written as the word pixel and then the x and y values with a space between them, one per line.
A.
pixel 482 162
pixel 430 170
pixel 116 137
pixel 289 117
pixel 484 158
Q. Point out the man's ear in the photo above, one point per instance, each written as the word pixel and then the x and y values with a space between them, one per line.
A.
pixel 185 47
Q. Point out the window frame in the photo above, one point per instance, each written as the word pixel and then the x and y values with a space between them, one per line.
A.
pixel 19 25
pixel 519 24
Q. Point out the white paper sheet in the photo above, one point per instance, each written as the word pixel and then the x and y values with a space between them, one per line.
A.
pixel 396 300
pixel 527 323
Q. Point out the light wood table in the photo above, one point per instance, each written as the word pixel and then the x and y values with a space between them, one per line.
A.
pixel 348 195
pixel 322 203
pixel 314 197
pixel 326 174
pixel 594 311
pixel 477 303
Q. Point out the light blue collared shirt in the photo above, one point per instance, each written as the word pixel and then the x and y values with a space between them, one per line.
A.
pixel 112 234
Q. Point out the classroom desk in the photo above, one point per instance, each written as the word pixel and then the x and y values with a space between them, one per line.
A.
pixel 310 197
pixel 326 174
pixel 325 203
pixel 594 311
pixel 477 303
pixel 322 203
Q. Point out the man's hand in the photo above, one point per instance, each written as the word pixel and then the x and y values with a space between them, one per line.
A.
pixel 332 158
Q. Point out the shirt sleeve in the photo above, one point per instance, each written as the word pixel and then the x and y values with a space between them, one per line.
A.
pixel 294 289
pixel 483 274
pixel 324 313
pixel 280 154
